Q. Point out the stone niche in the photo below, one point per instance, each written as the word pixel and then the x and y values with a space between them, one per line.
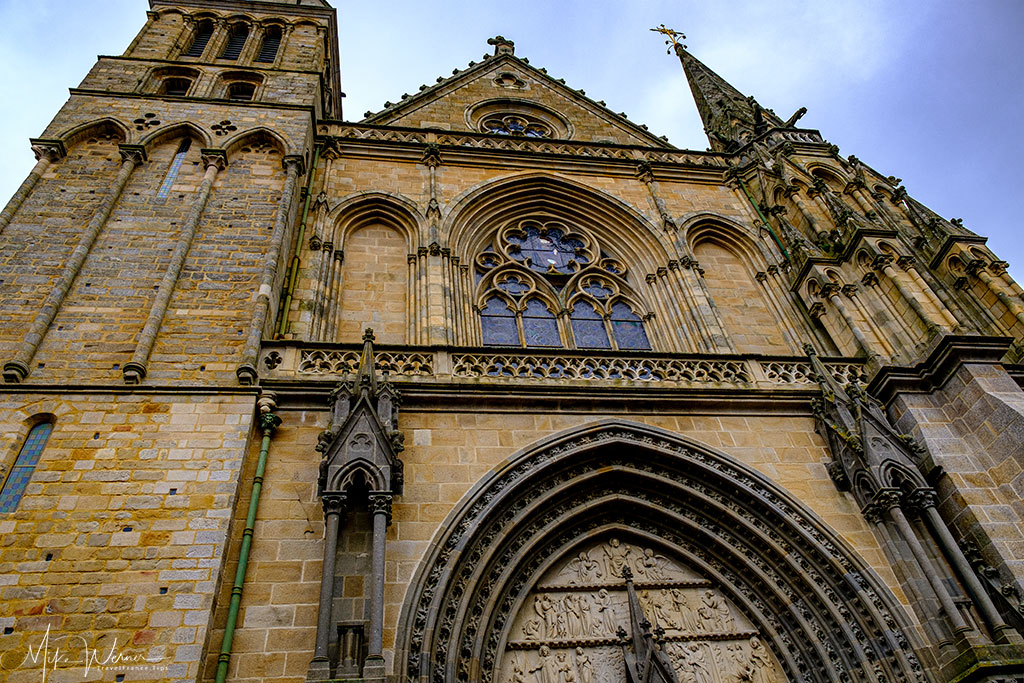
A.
pixel 566 627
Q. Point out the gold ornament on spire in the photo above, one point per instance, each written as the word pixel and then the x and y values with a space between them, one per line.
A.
pixel 674 37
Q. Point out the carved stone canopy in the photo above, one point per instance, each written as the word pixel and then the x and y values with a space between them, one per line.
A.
pixel 362 443
pixel 869 455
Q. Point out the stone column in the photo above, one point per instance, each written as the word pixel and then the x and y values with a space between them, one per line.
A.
pixel 47 152
pixel 135 370
pixel 889 500
pixel 320 667
pixel 977 267
pixel 883 262
pixel 924 500
pixel 831 292
pixel 246 371
pixel 17 368
pixel 380 509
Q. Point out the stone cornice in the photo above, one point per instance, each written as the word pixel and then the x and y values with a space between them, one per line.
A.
pixel 221 66
pixel 951 352
pixel 208 100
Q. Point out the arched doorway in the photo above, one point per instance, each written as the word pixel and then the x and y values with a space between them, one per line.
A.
pixel 740 577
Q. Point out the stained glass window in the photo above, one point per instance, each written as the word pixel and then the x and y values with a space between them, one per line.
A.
pixel 515 125
pixel 548 252
pixel 539 325
pixel 588 327
pixel 498 322
pixel 174 169
pixel 628 329
pixel 24 465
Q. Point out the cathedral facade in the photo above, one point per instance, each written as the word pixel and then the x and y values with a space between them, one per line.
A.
pixel 494 385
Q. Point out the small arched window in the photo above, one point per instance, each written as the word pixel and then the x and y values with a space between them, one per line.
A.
pixel 177 87
pixel 239 33
pixel 24 465
pixel 204 31
pixel 241 92
pixel 271 43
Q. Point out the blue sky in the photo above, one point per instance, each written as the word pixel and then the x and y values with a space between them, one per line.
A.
pixel 931 92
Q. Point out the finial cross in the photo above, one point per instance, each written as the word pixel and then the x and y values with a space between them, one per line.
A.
pixel 674 37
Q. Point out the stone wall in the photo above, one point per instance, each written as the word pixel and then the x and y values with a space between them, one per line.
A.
pixel 122 532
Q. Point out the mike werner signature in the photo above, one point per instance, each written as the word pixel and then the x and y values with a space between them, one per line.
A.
pixel 50 653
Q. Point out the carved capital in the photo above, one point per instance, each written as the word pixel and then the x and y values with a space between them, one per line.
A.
pixel 134 154
pixel 882 261
pixel 975 266
pixel 829 290
pixel 761 276
pixel 873 513
pixel 51 150
pixel 817 310
pixel 214 157
pixel 339 256
pixel 886 499
pixel 294 163
pixel 662 271
pixel 380 504
pixel 869 280
pixel 673 264
pixel 906 262
pixel 962 283
pixel 922 499
pixel 773 270
pixel 998 267
pixel 850 290
pixel 650 278
pixel 334 503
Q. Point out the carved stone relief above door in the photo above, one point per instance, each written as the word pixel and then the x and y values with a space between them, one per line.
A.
pixel 574 623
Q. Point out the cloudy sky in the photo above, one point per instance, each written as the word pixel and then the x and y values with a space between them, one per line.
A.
pixel 931 92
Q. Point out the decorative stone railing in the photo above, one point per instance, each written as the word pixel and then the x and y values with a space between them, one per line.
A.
pixel 283 361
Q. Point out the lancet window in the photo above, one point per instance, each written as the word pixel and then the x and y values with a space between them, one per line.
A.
pixel 543 284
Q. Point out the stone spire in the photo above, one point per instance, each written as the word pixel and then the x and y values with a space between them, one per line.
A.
pixel 730 118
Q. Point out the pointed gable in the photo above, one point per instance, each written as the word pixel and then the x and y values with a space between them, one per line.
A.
pixel 506 88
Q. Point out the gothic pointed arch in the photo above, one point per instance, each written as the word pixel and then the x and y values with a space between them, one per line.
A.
pixel 240 140
pixel 570 515
pixel 100 127
pixel 757 316
pixel 361 270
pixel 569 235
pixel 473 214
pixel 176 130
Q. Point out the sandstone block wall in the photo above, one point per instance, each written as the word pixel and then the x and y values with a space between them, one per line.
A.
pixel 122 532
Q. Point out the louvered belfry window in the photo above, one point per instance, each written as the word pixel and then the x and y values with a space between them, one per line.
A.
pixel 271 43
pixel 203 33
pixel 236 41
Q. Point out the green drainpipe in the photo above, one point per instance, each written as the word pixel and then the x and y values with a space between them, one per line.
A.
pixel 768 225
pixel 293 269
pixel 268 421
